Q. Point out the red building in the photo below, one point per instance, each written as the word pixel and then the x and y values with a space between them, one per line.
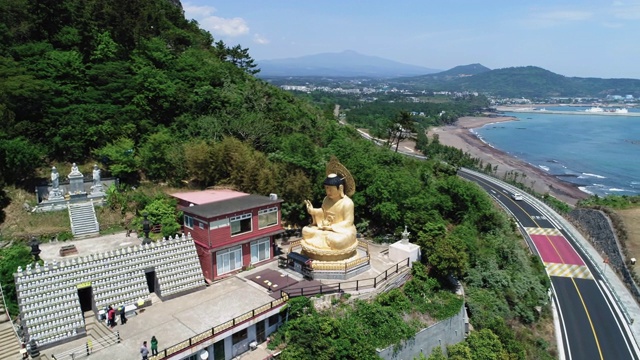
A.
pixel 231 229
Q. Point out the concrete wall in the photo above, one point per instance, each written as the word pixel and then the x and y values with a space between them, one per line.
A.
pixel 447 332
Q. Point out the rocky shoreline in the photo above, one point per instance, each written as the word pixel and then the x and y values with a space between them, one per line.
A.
pixel 461 137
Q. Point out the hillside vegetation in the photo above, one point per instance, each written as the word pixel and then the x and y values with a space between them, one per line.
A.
pixel 155 100
pixel 525 81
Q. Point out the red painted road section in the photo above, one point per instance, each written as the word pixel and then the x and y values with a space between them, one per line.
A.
pixel 556 249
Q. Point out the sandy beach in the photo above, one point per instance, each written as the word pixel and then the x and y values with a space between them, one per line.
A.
pixel 460 136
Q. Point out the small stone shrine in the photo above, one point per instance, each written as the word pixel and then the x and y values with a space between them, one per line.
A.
pixel 76 183
pixel 57 195
pixel 403 249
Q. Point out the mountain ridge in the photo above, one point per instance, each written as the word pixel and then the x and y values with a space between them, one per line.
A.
pixel 347 63
pixel 530 81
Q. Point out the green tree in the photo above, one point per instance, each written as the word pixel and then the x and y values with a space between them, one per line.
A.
pixel 18 159
pixel 485 345
pixel 160 156
pixel 436 354
pixel 119 158
pixel 10 259
pixel 162 211
pixel 399 128
pixel 460 351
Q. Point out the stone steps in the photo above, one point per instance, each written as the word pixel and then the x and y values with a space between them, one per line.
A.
pixel 9 344
pixel 101 336
pixel 83 219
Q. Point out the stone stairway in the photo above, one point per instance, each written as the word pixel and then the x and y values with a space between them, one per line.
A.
pixel 97 331
pixel 83 219
pixel 99 334
pixel 9 343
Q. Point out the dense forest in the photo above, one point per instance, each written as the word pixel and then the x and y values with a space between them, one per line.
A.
pixel 154 99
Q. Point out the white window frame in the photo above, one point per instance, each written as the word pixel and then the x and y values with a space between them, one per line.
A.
pixel 265 243
pixel 236 253
pixel 239 218
pixel 188 221
pixel 264 213
pixel 216 224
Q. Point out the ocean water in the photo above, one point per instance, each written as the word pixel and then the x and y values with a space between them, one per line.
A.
pixel 599 154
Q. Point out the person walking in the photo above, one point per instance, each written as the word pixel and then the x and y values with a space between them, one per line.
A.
pixel 144 351
pixel 154 346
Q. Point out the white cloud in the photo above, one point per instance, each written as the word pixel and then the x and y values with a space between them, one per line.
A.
pixel 216 25
pixel 564 16
pixel 194 11
pixel 557 17
pixel 260 39
pixel 221 26
pixel 612 25
pixel 626 10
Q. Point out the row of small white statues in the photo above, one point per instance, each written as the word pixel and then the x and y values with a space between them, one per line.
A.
pixel 100 256
pixel 55 176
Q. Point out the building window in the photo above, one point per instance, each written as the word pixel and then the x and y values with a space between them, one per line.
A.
pixel 240 224
pixel 218 224
pixel 260 250
pixel 201 225
pixel 267 217
pixel 229 259
pixel 188 221
pixel 274 320
pixel 239 336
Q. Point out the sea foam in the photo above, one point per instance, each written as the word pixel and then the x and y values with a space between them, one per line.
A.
pixel 584 190
pixel 594 175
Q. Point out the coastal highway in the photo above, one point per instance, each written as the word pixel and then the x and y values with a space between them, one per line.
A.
pixel 589 322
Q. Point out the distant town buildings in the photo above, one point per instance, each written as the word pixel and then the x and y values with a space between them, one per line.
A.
pixel 369 91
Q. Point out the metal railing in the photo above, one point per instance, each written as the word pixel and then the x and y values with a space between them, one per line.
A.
pixel 285 296
pixel 216 330
pixel 567 226
pixel 336 265
pixel 353 285
pixel 6 310
pixel 89 348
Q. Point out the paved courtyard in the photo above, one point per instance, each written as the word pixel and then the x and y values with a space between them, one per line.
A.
pixel 178 319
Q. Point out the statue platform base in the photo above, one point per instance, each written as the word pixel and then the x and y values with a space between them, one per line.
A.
pixel 357 263
pixel 52 204
pixel 58 204
pixel 329 255
pixel 400 250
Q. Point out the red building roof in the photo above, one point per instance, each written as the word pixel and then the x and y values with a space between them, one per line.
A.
pixel 208 196
pixel 228 206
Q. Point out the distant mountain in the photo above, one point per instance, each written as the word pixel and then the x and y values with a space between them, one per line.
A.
pixel 463 70
pixel 344 64
pixel 528 81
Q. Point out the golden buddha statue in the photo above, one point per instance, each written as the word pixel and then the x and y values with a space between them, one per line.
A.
pixel 332 234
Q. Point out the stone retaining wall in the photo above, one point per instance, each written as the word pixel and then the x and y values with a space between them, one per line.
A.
pixel 446 332
pixel 597 228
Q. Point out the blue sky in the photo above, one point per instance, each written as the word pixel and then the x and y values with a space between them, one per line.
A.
pixel 573 38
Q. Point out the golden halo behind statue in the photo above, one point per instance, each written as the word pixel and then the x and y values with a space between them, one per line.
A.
pixel 335 167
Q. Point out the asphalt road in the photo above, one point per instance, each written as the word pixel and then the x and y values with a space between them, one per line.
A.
pixel 591 325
